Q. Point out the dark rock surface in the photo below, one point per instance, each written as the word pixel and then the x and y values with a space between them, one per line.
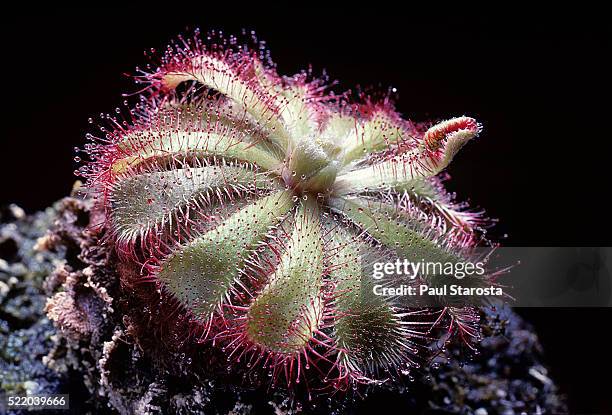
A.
pixel 68 326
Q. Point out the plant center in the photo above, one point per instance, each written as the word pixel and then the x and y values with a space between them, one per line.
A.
pixel 312 166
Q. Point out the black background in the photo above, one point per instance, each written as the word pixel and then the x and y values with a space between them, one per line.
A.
pixel 538 83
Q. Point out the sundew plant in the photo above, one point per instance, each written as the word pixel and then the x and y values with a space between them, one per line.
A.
pixel 260 202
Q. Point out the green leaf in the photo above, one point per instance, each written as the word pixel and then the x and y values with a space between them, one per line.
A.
pixel 368 332
pixel 201 273
pixel 149 201
pixel 285 314
pixel 393 229
pixel 371 136
pixel 427 160
pixel 243 88
pixel 163 141
pixel 299 116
